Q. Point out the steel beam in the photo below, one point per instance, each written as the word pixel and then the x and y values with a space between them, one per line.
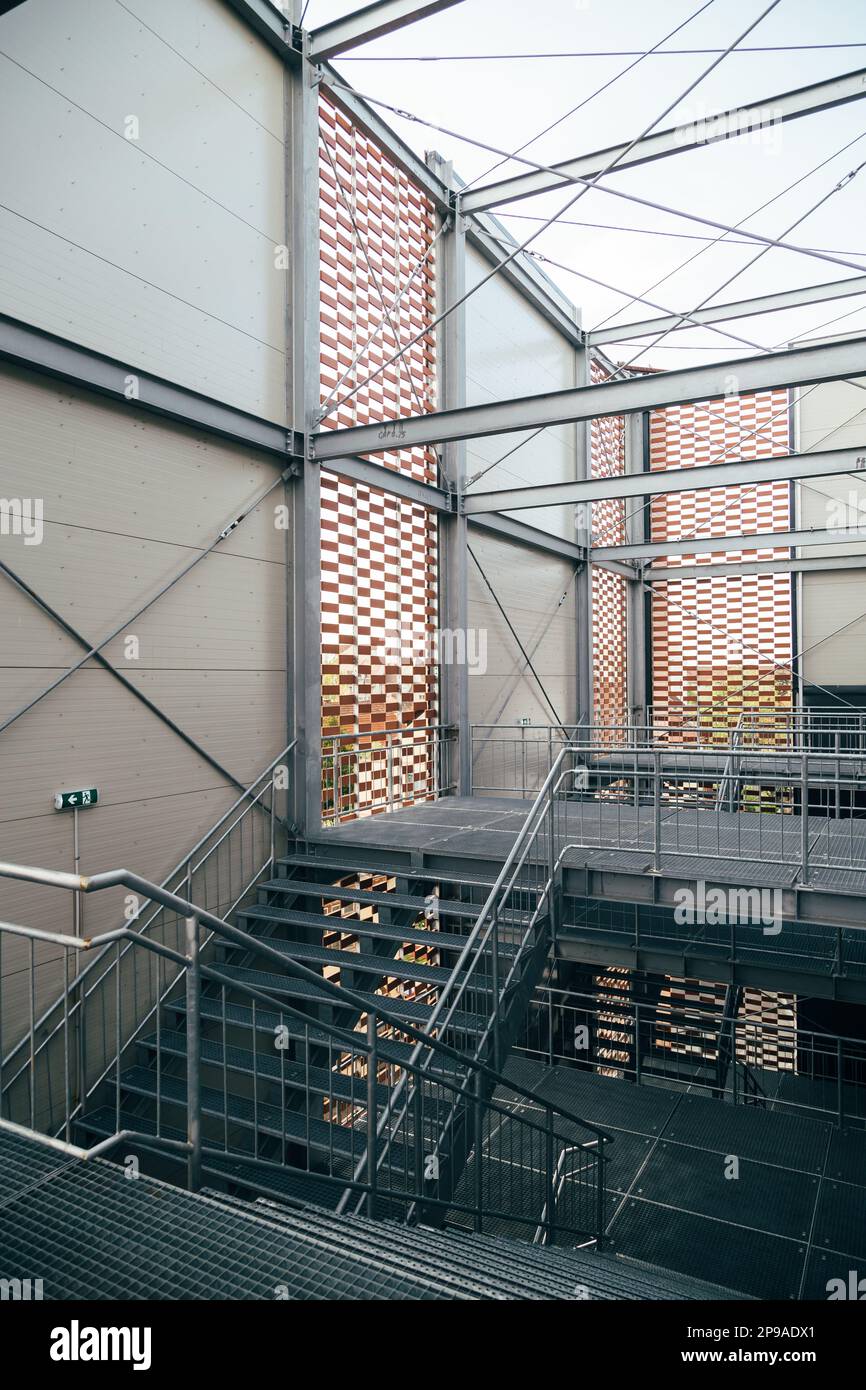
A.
pixel 706 545
pixel 136 390
pixel 786 106
pixel 509 529
pixel 818 564
pixel 305 637
pixel 739 309
pixel 795 367
pixel 389 480
pixel 453 530
pixel 372 22
pixel 825 464
pixel 277 32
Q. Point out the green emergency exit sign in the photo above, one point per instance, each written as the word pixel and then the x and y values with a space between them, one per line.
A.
pixel 66 801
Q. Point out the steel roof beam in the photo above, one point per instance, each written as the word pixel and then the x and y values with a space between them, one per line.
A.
pixel 711 545
pixel 819 564
pixel 736 473
pixel 786 106
pixel 794 367
pixel 372 22
pixel 738 309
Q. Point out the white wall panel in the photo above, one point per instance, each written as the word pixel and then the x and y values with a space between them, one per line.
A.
pixel 157 250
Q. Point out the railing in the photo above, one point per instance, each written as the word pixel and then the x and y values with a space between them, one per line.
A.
pixel 514 759
pixel 804 811
pixel 483 993
pixel 791 1068
pixel 220 871
pixel 343 1078
pixel 384 770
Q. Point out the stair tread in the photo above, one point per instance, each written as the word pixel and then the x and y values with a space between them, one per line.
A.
pixel 284 984
pixel 281 1182
pixel 294 1074
pixel 292 917
pixel 447 907
pixel 367 963
pixel 271 1119
pixel 241 1016
pixel 340 866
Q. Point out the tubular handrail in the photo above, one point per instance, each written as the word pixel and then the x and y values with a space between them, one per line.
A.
pixel 185 863
pixel 483 926
pixel 114 878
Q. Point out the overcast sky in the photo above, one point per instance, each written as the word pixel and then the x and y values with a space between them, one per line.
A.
pixel 506 103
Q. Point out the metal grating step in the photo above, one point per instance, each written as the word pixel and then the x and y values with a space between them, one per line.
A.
pixel 305 888
pixel 266 1021
pixel 301 989
pixel 426 875
pixel 319 921
pixel 270 1120
pixel 367 963
pixel 246 1063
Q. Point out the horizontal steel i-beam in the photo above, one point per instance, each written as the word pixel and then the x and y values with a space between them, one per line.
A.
pixel 824 464
pixel 712 545
pixel 795 367
pixel 371 22
pixel 737 309
pixel 726 125
pixel 817 564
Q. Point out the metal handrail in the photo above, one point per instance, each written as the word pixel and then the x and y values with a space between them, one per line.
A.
pixel 196 917
pixel 185 868
pixel 114 878
pixel 458 981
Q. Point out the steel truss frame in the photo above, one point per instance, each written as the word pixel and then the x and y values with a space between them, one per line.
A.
pixel 301 449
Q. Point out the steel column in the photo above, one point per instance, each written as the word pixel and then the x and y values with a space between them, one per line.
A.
pixel 584 686
pixel 636 461
pixel 453 532
pixel 302 216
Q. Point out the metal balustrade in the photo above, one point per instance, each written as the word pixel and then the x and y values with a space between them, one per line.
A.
pixel 383 770
pixel 219 872
pixel 740 1059
pixel 436 1157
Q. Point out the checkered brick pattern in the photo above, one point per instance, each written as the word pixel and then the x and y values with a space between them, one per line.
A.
pixel 609 608
pixel 379 553
pixel 715 640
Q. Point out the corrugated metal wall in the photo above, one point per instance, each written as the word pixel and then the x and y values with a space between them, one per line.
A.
pixel 513 351
pixel 144 191
pixel 128 502
pixel 144 201
pixel 833 604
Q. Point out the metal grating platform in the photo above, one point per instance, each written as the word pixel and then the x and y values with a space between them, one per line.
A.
pixel 793 1218
pixel 89 1232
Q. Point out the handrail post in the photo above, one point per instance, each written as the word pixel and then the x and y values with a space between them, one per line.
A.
pixel 495 983
pixel 193 1054
pixel 600 1195
pixel 657 812
pixel 478 1131
pixel 372 1115
pixel 804 817
pixel 550 1214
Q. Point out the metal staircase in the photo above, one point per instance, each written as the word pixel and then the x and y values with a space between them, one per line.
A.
pixel 340 1042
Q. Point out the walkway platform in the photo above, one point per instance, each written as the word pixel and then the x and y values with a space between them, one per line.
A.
pixel 794 1218
pixel 88 1232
